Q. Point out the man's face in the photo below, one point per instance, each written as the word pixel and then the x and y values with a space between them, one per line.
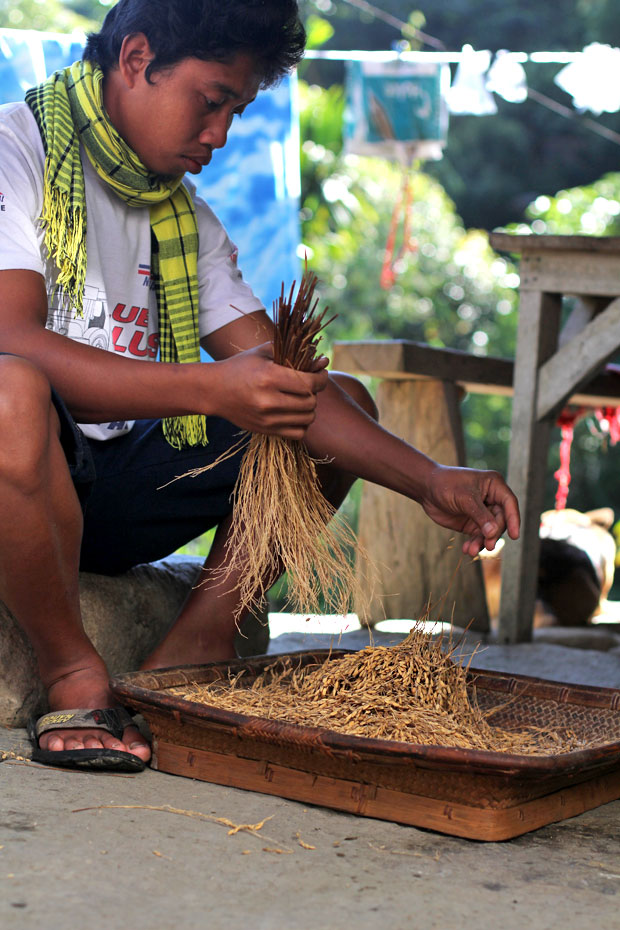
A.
pixel 174 123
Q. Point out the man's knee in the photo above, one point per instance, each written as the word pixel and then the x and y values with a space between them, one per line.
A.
pixel 356 390
pixel 25 412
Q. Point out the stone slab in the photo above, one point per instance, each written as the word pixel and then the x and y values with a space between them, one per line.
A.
pixel 125 616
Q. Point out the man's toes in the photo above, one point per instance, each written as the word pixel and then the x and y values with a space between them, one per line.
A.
pixel 132 742
pixel 112 742
pixel 136 743
pixel 74 742
pixel 55 743
pixel 92 742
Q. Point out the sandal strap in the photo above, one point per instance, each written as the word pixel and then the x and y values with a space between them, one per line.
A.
pixel 112 719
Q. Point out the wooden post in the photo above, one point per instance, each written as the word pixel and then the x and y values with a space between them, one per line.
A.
pixel 539 321
pixel 417 560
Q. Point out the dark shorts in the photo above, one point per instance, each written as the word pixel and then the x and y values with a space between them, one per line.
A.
pixel 129 517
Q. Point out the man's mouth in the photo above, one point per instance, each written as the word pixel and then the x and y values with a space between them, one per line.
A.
pixel 196 163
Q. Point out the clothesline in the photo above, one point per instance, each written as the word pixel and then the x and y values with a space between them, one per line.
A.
pixel 560 58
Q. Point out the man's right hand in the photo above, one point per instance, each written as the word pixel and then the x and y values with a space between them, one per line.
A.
pixel 253 392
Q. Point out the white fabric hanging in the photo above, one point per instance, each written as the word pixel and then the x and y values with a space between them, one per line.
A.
pixel 469 93
pixel 507 77
pixel 593 79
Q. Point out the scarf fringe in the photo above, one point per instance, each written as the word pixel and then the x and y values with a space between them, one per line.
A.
pixel 66 242
pixel 181 432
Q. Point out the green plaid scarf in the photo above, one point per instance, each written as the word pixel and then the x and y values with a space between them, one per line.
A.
pixel 68 108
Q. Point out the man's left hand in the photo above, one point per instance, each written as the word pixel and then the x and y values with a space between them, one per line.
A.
pixel 477 503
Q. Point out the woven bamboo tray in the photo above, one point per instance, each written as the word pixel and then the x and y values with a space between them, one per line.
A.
pixel 464 792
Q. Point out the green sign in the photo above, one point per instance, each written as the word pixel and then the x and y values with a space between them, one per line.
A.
pixel 396 108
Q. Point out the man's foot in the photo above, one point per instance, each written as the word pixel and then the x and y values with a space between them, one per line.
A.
pixel 88 688
pixel 181 648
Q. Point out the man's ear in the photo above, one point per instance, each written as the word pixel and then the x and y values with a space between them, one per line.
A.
pixel 134 57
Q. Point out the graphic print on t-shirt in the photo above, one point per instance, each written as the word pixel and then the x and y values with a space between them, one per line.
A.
pixel 90 328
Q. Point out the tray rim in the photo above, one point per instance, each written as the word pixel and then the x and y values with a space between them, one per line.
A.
pixel 477 761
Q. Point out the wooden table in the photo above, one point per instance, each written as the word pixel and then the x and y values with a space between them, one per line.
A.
pixel 552 363
pixel 418 399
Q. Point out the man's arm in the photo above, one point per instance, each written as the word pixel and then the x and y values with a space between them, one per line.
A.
pixel 99 386
pixel 476 503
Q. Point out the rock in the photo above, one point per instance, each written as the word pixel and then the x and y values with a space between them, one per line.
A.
pixel 125 617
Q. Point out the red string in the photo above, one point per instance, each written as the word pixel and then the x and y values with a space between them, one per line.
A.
pixel 566 421
pixel 609 422
pixel 389 270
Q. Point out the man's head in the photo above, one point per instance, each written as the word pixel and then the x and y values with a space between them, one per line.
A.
pixel 268 31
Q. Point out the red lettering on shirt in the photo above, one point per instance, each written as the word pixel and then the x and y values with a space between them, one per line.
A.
pixel 122 315
pixel 132 335
pixel 117 332
pixel 135 346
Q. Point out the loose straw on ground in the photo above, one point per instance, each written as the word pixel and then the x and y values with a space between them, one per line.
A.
pixel 281 520
pixel 413 692
pixel 233 828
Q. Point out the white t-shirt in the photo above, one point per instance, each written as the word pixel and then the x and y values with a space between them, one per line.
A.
pixel 120 307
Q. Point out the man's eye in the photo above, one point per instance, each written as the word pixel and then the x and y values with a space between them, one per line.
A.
pixel 212 104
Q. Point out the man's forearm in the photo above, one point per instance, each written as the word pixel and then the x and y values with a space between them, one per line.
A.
pixel 98 386
pixel 355 443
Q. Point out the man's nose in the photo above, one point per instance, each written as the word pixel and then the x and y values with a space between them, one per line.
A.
pixel 215 133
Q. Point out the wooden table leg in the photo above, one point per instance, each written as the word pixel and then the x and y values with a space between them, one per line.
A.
pixel 416 559
pixel 539 321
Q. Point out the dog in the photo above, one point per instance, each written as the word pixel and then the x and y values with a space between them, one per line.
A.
pixel 575 568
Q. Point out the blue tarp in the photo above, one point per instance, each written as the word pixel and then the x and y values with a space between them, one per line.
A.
pixel 252 184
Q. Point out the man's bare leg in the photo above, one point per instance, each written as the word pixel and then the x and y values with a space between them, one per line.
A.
pixel 39 557
pixel 205 629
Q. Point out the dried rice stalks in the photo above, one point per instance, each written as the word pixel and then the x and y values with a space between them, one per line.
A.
pixel 413 692
pixel 281 521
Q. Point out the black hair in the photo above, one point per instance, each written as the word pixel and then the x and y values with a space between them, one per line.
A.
pixel 212 30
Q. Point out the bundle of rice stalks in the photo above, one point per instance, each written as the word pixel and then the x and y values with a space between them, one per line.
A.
pixel 413 692
pixel 281 520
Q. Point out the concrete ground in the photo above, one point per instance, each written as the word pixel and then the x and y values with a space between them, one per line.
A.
pixel 148 851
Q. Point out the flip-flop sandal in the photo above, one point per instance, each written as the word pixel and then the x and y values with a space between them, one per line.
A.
pixel 112 719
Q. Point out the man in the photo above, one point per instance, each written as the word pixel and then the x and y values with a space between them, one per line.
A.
pixel 91 168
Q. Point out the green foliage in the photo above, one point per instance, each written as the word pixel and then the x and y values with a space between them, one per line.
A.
pixel 318 31
pixel 593 210
pixel 451 290
pixel 449 287
pixel 52 15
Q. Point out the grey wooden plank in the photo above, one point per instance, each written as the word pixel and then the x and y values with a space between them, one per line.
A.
pixel 391 359
pixel 539 320
pixel 574 363
pixel 575 273
pixel 584 310
pixel 506 242
pixel 475 374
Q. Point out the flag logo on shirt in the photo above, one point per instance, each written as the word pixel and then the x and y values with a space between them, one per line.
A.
pixel 145 272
